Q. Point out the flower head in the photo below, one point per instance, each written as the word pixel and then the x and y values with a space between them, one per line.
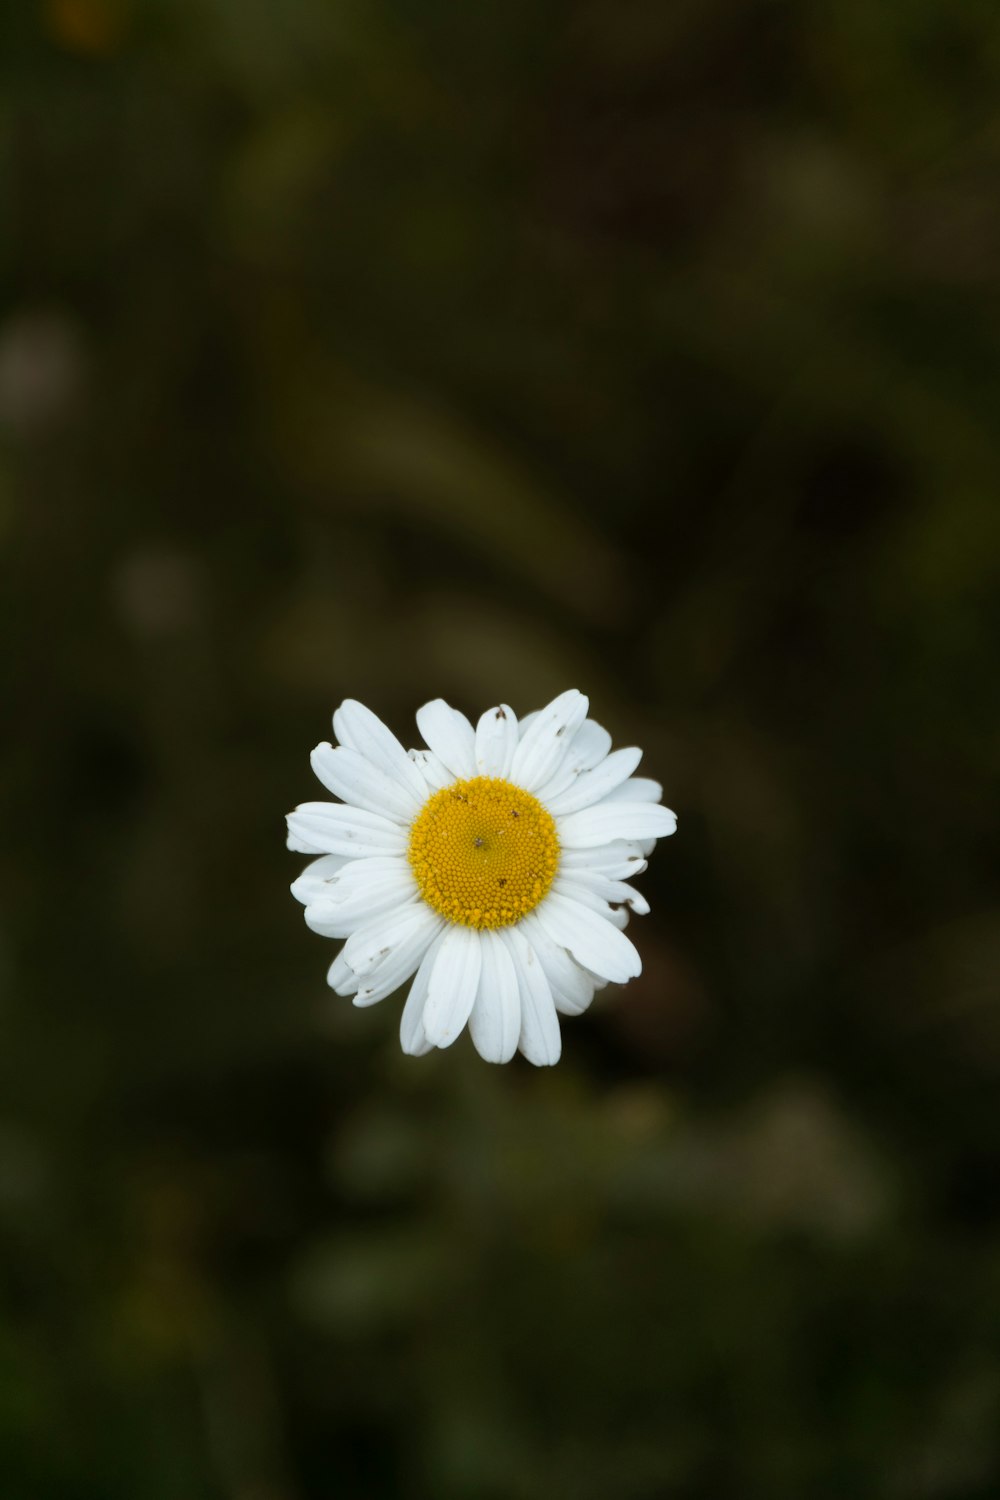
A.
pixel 492 867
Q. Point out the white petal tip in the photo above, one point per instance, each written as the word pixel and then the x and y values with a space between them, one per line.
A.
pixel 417 1049
pixel 440 1037
pixel 548 1060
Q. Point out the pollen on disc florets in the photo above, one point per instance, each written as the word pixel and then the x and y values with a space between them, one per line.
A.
pixel 484 852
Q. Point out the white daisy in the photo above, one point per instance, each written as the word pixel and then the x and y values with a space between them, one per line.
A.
pixel 492 865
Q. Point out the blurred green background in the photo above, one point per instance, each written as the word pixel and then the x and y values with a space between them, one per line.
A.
pixel 396 350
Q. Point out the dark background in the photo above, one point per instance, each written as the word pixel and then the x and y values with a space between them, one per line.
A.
pixel 396 350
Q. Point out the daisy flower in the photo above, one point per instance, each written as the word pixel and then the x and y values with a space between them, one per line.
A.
pixel 492 867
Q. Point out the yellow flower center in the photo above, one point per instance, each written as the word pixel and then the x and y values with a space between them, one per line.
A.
pixel 484 852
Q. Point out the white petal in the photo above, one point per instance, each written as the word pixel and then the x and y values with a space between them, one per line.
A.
pixel 311 884
pixel 588 898
pixel 591 786
pixel 353 779
pixel 630 897
pixel 572 987
pixel 637 789
pixel 369 946
pixel 526 721
pixel 595 944
pixel 396 960
pixel 450 735
pixel 496 741
pixel 370 891
pixel 350 831
pixel 359 729
pixel 453 985
pixel 543 748
pixel 360 879
pixel 297 844
pixel 412 1037
pixel 539 1039
pixel 615 892
pixel 576 1005
pixel 619 860
pixel 609 821
pixel 341 977
pixel 434 771
pixel 340 921
pixel 590 745
pixel 495 1022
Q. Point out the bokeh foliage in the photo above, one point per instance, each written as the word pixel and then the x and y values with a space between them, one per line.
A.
pixel 394 350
